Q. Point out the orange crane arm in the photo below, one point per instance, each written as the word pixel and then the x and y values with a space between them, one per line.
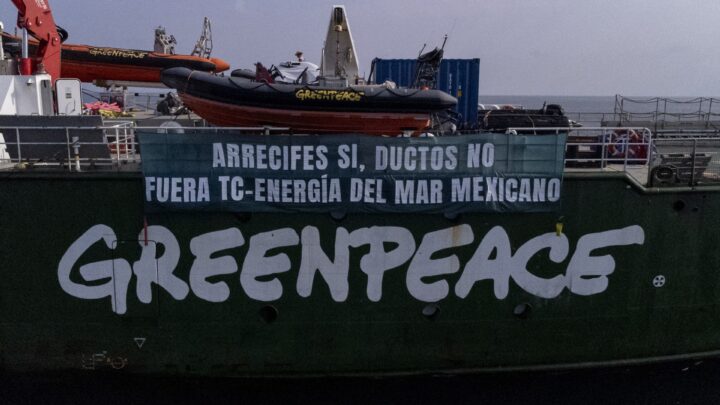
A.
pixel 35 16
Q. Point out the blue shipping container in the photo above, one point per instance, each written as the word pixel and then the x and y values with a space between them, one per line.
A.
pixel 458 77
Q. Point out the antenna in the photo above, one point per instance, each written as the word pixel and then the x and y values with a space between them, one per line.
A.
pixel 452 29
pixel 422 49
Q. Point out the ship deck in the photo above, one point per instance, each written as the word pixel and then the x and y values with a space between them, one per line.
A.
pixel 637 172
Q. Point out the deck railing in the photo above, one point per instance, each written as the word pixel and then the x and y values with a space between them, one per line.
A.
pixel 120 137
pixel 679 158
pixel 666 113
pixel 112 147
pixel 675 158
pixel 600 147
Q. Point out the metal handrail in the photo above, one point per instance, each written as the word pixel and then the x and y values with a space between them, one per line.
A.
pixel 121 148
pixel 603 139
pixel 119 138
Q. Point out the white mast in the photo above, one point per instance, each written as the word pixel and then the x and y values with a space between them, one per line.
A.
pixel 339 56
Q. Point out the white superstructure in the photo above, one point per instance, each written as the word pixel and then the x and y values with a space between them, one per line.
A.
pixel 26 95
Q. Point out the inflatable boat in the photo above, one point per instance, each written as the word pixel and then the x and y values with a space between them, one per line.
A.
pixel 91 63
pixel 238 102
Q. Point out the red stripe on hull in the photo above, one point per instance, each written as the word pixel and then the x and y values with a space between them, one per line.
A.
pixel 79 63
pixel 90 71
pixel 374 123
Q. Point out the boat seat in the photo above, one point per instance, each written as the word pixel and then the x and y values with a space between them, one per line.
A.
pixel 262 74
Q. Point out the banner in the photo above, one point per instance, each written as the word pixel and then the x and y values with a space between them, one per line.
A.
pixel 234 172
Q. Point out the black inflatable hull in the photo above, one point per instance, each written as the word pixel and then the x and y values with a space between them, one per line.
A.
pixel 231 101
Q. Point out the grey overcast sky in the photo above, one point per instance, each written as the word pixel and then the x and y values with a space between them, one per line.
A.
pixel 526 47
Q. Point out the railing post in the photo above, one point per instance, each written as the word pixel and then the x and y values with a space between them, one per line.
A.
pixel 133 127
pixel 67 144
pixel 651 149
pixel 700 110
pixel 692 168
pixel 650 146
pixel 17 143
pixel 117 144
pixel 603 155
pixel 125 141
pixel 627 150
pixel 76 147
pixel 709 114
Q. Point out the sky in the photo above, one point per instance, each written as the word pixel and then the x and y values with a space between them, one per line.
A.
pixel 526 47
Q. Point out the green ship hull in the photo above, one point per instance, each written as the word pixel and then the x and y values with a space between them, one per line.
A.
pixel 89 281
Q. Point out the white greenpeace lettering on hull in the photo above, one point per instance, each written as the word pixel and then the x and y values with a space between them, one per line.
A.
pixel 493 260
pixel 204 266
pixel 482 267
pixel 378 260
pixel 538 286
pixel 588 274
pixel 422 265
pixel 315 260
pixel 150 269
pixel 116 271
pixel 257 264
pixel 585 275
